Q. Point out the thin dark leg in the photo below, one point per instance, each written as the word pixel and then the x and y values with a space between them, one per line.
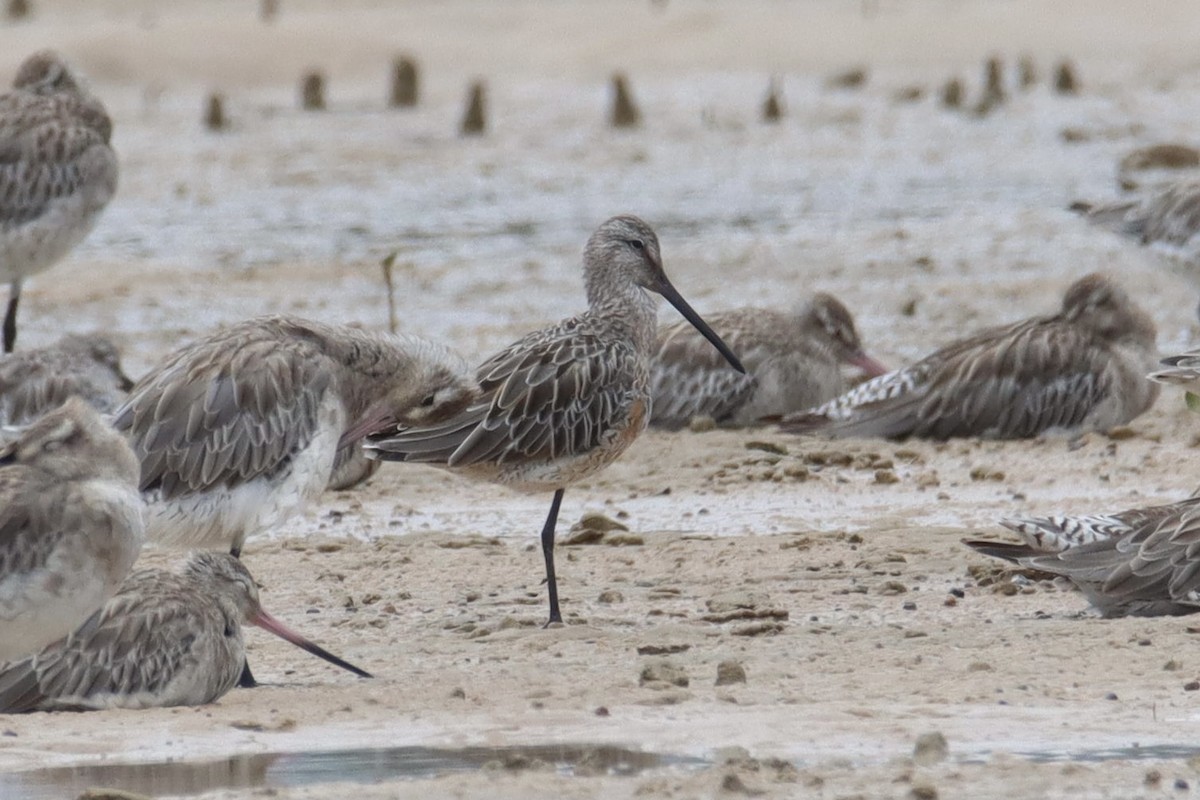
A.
pixel 548 553
pixel 247 680
pixel 10 318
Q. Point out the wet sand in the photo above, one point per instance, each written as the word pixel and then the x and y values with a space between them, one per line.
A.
pixel 830 572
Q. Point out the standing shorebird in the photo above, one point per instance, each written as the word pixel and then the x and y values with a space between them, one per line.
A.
pixel 565 401
pixel 1079 370
pixel 57 172
pixel 34 381
pixel 165 639
pixel 238 431
pixel 70 525
pixel 793 362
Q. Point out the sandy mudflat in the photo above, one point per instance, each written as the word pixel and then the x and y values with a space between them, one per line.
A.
pixel 833 589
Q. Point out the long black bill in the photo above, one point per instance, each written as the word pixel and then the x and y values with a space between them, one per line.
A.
pixel 268 623
pixel 676 299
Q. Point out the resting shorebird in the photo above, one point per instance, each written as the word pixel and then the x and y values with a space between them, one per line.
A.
pixel 34 381
pixel 57 172
pixel 70 525
pixel 565 401
pixel 238 431
pixel 793 362
pixel 165 639
pixel 1141 562
pixel 1079 370
pixel 1167 220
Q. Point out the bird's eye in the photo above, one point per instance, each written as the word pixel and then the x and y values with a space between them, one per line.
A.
pixel 636 244
pixel 427 402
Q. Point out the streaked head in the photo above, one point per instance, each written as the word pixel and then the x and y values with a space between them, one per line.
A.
pixel 625 250
pixel 102 351
pixel 226 577
pixel 45 72
pixel 1099 304
pixel 73 442
pixel 826 315
pixel 231 584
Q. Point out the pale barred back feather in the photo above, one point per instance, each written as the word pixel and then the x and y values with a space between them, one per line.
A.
pixel 1147 565
pixel 33 382
pixel 1080 369
pixel 1057 533
pixel 70 525
pixel 165 639
pixel 1182 370
pixel 792 362
pixel 57 168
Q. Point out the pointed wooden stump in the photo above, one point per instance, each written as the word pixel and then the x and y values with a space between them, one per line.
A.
pixel 952 93
pixel 1026 72
pixel 18 9
pixel 993 87
pixel 214 113
pixel 1065 80
pixel 772 110
pixel 405 90
pixel 312 91
pixel 474 121
pixel 625 112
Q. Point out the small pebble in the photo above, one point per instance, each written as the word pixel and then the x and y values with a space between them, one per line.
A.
pixel 930 748
pixel 730 671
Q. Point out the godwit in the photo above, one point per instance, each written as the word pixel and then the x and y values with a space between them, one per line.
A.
pixel 34 381
pixel 565 401
pixel 165 639
pixel 70 525
pixel 57 172
pixel 1142 562
pixel 237 431
pixel 1079 370
pixel 793 362
pixel 1168 220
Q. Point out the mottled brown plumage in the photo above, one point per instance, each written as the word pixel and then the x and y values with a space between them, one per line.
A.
pixel 70 525
pixel 165 639
pixel 33 382
pixel 1081 369
pixel 238 430
pixel 1167 218
pixel 793 362
pixel 58 171
pixel 1142 562
pixel 564 401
